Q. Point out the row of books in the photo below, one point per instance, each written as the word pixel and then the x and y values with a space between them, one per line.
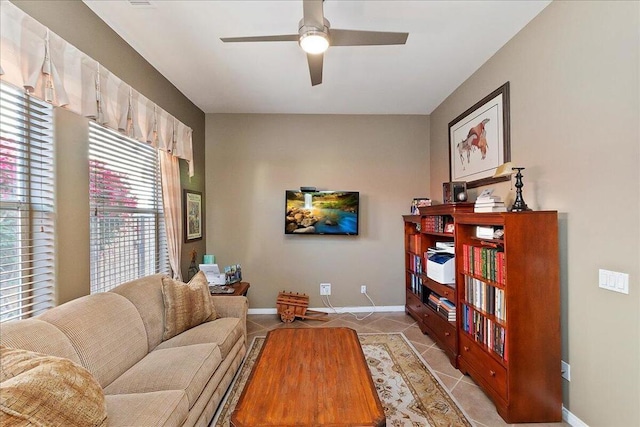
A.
pixel 415 263
pixel 485 262
pixel 442 306
pixel 485 331
pixel 415 283
pixel 414 243
pixel 435 223
pixel 487 298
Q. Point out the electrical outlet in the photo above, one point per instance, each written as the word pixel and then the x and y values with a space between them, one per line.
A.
pixel 363 289
pixel 566 371
pixel 325 288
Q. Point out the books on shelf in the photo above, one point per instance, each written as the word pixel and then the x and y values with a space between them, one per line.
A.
pixel 442 306
pixel 485 297
pixel 488 263
pixel 436 223
pixel 484 330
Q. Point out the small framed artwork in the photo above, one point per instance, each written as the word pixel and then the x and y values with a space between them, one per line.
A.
pixel 192 202
pixel 479 140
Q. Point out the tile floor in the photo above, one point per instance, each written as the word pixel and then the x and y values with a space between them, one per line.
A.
pixel 477 406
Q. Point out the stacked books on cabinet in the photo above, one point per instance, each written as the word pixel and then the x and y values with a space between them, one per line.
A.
pixel 486 202
pixel 442 306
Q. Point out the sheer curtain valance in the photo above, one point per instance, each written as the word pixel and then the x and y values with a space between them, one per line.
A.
pixel 49 68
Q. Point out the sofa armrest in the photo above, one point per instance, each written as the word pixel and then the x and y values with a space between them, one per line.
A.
pixel 232 306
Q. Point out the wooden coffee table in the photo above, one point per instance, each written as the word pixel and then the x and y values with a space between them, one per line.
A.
pixel 309 377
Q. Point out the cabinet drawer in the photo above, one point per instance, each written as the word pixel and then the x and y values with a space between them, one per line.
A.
pixel 490 371
pixel 442 329
pixel 415 305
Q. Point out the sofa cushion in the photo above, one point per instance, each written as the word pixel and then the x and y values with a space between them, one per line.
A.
pixel 157 408
pixel 185 304
pixel 37 389
pixel 224 332
pixel 106 331
pixel 146 294
pixel 37 335
pixel 186 368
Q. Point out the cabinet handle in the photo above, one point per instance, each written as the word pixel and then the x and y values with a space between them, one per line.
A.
pixel 492 373
pixel 466 348
pixel 446 334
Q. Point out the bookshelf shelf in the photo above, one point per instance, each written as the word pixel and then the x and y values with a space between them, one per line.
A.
pixel 508 294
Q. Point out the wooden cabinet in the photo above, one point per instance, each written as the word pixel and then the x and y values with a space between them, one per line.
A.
pixel 424 299
pixel 509 311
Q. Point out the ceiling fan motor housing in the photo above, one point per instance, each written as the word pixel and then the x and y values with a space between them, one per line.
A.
pixel 312 39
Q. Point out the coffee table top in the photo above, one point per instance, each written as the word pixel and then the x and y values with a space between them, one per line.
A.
pixel 310 377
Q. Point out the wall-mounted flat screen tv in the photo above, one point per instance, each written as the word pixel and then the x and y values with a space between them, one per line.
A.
pixel 322 212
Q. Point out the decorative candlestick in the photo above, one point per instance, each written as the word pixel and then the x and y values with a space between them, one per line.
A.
pixel 519 205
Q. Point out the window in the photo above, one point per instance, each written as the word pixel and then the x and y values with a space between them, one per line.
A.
pixel 26 205
pixel 128 237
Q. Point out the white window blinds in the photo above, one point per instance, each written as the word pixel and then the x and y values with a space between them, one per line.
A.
pixel 26 205
pixel 128 236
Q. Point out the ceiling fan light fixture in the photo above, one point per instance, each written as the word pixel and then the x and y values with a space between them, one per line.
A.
pixel 314 42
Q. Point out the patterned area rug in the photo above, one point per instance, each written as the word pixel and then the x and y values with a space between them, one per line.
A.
pixel 410 393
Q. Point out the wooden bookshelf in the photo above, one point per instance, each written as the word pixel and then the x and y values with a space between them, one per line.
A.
pixel 421 232
pixel 510 343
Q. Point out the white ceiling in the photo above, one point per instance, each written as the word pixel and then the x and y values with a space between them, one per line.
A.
pixel 448 41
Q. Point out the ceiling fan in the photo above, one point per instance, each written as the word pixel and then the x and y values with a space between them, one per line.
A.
pixel 315 37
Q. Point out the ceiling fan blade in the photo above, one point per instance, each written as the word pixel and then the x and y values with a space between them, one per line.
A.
pixel 312 14
pixel 315 68
pixel 280 38
pixel 366 38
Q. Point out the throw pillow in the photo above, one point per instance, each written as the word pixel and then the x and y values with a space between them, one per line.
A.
pixel 186 304
pixel 38 389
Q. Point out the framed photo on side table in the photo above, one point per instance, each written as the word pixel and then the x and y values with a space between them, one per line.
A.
pixel 479 140
pixel 192 202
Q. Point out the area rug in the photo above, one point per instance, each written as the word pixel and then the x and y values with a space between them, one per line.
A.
pixel 410 393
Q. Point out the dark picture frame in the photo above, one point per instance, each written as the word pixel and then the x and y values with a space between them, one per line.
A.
pixel 480 141
pixel 192 214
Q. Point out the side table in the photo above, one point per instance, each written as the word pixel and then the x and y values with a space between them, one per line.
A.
pixel 239 289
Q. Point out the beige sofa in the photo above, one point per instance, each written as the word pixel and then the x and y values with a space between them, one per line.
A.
pixel 117 337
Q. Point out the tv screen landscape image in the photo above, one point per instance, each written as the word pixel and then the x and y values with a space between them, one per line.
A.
pixel 322 212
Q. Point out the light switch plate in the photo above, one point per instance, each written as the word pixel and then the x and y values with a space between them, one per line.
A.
pixel 613 281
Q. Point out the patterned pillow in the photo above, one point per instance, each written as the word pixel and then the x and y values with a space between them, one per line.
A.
pixel 186 304
pixel 38 389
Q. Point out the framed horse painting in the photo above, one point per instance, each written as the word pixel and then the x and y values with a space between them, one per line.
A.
pixel 479 140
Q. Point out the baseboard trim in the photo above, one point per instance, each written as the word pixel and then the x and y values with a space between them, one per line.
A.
pixel 571 419
pixel 365 309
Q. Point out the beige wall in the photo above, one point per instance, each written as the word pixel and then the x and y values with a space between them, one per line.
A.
pixel 78 25
pixel 72 205
pixel 253 159
pixel 575 120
